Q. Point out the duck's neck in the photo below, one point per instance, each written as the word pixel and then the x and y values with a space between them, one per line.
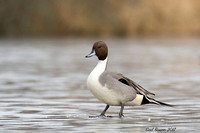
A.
pixel 101 66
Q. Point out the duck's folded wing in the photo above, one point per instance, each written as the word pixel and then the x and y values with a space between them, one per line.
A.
pixel 129 82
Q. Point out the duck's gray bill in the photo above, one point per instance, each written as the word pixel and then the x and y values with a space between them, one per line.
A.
pixel 91 54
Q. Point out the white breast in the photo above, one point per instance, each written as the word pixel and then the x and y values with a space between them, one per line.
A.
pixel 101 92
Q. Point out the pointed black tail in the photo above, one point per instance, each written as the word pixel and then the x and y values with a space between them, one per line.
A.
pixel 147 100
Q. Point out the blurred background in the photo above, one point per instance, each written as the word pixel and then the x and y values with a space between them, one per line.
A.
pixel 129 18
pixel 43 69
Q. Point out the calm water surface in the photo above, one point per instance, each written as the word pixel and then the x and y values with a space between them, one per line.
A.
pixel 43 85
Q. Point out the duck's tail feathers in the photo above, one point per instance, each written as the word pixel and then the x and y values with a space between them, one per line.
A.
pixel 147 100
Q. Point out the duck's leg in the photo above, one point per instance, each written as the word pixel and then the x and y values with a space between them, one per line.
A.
pixel 121 111
pixel 102 113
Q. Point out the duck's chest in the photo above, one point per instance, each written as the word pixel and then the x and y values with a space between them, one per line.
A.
pixel 100 91
pixel 93 83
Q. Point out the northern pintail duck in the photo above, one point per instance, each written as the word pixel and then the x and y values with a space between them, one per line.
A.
pixel 114 89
